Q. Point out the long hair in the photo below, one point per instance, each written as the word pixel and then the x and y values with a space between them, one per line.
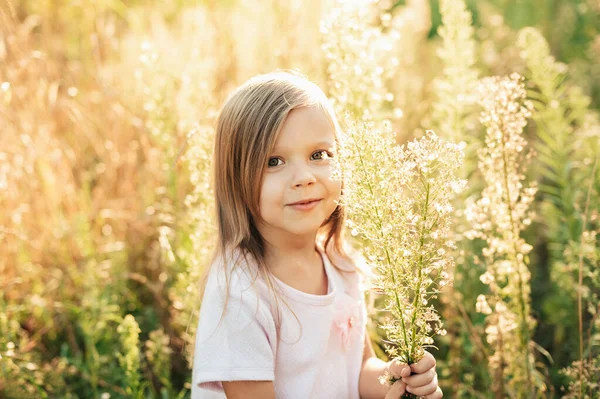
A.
pixel 247 128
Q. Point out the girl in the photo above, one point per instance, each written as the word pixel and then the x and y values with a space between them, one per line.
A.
pixel 282 314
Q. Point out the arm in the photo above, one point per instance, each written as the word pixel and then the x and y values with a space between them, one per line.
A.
pixel 249 389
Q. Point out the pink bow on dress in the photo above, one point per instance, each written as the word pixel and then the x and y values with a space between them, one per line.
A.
pixel 346 318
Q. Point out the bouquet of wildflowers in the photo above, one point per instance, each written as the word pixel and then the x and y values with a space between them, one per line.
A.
pixel 398 205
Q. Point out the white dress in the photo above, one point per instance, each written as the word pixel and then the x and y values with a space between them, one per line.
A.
pixel 320 348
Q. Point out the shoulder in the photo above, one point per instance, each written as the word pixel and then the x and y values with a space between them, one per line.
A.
pixel 233 282
pixel 233 304
pixel 232 272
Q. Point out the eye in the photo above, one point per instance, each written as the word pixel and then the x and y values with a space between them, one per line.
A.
pixel 321 154
pixel 274 162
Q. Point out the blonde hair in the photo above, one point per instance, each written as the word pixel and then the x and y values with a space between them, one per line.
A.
pixel 247 128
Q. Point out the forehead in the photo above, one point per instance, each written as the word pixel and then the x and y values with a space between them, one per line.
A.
pixel 305 126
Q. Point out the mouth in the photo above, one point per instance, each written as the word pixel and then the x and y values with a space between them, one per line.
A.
pixel 306 202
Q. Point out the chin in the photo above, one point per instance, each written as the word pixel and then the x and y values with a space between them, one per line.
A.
pixel 304 231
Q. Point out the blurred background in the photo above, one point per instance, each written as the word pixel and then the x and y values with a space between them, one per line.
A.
pixel 107 112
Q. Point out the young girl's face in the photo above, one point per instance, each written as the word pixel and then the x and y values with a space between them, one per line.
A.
pixel 299 170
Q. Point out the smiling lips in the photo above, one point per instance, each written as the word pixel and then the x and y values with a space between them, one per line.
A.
pixel 305 205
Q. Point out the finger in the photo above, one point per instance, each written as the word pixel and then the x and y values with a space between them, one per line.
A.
pixel 405 372
pixel 438 394
pixel 425 389
pixel 396 391
pixel 398 369
pixel 417 380
pixel 424 364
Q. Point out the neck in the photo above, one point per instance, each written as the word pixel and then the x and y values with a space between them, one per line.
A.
pixel 292 255
pixel 278 242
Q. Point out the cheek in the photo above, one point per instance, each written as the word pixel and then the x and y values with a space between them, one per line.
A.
pixel 270 192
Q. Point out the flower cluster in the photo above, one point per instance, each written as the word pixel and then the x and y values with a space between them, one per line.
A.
pixel 355 50
pixel 585 379
pixel 129 360
pixel 499 217
pixel 398 205
pixel 543 68
pixel 455 89
pixel 158 354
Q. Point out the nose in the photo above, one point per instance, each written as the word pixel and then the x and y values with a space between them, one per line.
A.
pixel 303 176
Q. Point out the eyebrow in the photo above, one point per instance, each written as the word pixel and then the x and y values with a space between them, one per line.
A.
pixel 326 144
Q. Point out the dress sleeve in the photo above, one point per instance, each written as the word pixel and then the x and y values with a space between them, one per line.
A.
pixel 238 345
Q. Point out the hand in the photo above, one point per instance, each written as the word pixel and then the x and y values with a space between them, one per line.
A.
pixel 423 382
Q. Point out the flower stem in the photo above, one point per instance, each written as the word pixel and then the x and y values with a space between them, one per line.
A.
pixel 524 327
pixel 420 267
pixel 580 279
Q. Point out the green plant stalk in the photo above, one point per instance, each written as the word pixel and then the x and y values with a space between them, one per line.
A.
pixel 500 370
pixel 415 299
pixel 91 359
pixel 524 327
pixel 498 375
pixel 417 294
pixel 580 280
